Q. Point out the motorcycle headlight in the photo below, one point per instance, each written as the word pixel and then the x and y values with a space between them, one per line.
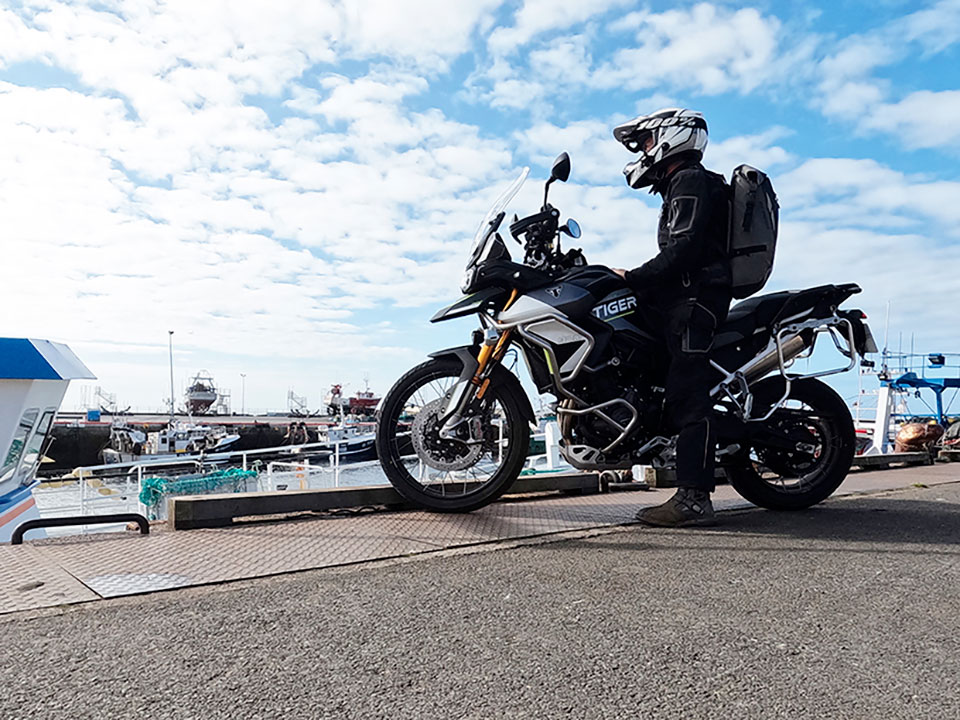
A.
pixel 466 282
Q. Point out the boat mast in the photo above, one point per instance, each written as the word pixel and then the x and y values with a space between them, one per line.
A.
pixel 171 376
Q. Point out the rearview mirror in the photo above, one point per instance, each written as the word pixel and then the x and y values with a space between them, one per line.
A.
pixel 561 168
pixel 572 228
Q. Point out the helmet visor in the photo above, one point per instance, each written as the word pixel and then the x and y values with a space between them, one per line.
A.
pixel 640 141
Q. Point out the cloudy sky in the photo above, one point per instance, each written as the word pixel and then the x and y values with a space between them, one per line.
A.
pixel 291 186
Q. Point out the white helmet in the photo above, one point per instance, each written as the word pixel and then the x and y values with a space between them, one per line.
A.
pixel 661 136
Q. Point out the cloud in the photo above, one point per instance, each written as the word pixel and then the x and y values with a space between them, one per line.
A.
pixel 540 16
pixel 850 89
pixel 151 195
pixel 273 182
pixel 707 48
pixel 864 193
pixel 424 33
pixel 758 150
pixel 596 157
pixel 922 119
pixel 566 58
pixel 937 27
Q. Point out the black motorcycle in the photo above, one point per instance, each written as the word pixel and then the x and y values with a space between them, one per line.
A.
pixel 453 433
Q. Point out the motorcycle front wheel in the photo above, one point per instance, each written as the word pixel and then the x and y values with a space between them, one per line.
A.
pixel 818 418
pixel 446 475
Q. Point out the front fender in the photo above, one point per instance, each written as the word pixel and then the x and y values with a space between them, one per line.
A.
pixel 501 378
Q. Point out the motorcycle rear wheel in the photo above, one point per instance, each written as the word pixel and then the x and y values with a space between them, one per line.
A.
pixel 494 465
pixel 782 480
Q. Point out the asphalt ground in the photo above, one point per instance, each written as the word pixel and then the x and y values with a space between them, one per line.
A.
pixel 847 610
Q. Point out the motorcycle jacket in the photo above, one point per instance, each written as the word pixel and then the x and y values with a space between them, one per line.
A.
pixel 692 236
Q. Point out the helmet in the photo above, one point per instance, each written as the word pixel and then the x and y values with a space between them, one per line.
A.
pixel 660 138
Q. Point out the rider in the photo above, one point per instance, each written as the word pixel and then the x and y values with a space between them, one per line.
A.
pixel 689 283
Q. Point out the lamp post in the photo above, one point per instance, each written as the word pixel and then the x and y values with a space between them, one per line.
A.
pixel 170 340
pixel 243 393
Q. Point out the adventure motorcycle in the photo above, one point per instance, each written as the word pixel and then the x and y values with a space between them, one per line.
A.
pixel 453 433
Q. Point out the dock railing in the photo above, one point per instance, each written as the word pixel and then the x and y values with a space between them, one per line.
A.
pixel 90 492
pixel 115 487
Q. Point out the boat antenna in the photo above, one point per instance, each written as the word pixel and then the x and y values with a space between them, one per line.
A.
pixel 886 341
pixel 170 339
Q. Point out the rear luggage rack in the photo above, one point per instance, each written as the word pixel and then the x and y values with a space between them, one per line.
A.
pixel 789 343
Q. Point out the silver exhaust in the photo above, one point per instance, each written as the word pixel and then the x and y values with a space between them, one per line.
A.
pixel 760 366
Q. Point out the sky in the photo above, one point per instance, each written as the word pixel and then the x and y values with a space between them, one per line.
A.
pixel 292 187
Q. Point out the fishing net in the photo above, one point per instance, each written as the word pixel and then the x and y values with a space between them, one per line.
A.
pixel 154 489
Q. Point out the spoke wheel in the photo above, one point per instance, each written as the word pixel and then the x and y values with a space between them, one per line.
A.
pixel 457 474
pixel 818 421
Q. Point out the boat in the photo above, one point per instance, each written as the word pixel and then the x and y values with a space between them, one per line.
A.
pixel 201 394
pixel 363 403
pixel 34 375
pixel 178 439
pixel 351 442
pixel 894 425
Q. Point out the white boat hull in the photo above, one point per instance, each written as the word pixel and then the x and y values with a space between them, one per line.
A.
pixel 17 508
pixel 112 457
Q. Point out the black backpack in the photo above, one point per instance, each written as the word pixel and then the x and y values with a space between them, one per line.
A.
pixel 752 240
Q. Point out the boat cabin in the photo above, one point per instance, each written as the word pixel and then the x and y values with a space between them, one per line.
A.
pixel 34 375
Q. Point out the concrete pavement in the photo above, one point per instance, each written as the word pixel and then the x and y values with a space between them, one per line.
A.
pixel 847 610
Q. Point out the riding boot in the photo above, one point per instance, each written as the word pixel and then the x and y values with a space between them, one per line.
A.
pixel 687 508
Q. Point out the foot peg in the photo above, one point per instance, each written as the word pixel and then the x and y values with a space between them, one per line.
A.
pixel 731 449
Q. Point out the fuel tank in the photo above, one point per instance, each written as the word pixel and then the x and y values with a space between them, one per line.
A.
pixel 571 300
pixel 608 315
pixel 593 292
pixel 616 305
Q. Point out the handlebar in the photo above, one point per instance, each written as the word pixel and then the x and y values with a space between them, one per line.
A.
pixel 541 236
pixel 519 227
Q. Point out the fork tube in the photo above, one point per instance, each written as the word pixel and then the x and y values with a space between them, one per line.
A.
pixel 483 357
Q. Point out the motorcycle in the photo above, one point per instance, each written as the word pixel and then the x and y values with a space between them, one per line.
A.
pixel 453 433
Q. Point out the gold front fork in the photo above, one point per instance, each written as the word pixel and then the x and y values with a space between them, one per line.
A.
pixel 492 352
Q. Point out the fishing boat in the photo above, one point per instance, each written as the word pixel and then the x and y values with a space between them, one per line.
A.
pixel 350 441
pixel 888 416
pixel 177 439
pixel 34 375
pixel 363 403
pixel 201 393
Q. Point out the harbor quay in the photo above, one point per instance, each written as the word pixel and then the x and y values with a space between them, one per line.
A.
pixel 557 606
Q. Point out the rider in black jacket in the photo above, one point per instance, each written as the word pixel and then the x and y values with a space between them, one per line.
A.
pixel 689 283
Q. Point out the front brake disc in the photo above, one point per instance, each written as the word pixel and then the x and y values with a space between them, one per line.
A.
pixel 440 453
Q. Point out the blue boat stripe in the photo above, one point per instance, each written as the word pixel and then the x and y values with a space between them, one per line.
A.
pixel 15 497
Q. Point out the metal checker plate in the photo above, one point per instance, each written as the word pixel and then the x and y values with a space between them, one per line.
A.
pixel 29 578
pixel 166 560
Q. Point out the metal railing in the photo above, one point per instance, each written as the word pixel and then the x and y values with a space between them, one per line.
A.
pixel 88 496
pixel 71 520
pixel 282 475
pixel 90 493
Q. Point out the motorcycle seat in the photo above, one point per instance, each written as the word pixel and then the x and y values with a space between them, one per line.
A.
pixel 760 313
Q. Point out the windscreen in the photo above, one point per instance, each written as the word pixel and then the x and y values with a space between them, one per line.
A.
pixel 484 231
